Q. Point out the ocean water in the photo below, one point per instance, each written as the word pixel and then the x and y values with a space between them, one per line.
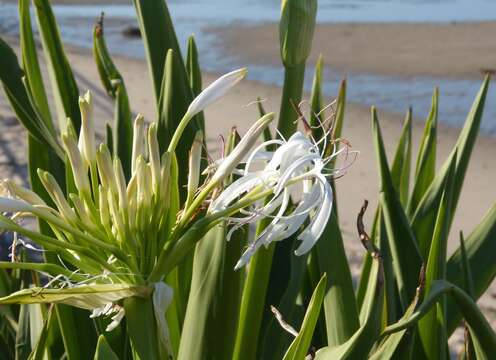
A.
pixel 392 93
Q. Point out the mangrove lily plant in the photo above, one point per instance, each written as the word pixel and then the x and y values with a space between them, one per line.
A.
pixel 132 253
pixel 117 238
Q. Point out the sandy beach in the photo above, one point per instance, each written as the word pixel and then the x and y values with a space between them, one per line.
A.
pixel 347 48
pixel 455 50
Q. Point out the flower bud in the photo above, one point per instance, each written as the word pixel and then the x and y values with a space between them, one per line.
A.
pixel 105 169
pixel 79 170
pixel 138 141
pixel 216 90
pixel 296 30
pixel 104 209
pixel 14 206
pixel 120 181
pixel 22 193
pixel 53 189
pixel 154 155
pixel 242 149
pixel 87 134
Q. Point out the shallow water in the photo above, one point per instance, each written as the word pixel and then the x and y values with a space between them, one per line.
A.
pixel 391 93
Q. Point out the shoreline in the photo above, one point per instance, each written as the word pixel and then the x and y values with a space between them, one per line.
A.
pixel 404 49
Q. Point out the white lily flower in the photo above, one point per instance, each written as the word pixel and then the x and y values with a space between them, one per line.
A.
pixel 215 91
pixel 296 164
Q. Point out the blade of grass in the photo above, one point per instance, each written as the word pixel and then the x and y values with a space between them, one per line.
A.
pixel 406 257
pixel 114 84
pixel 340 306
pixel 426 159
pixel 432 328
pixel 62 79
pixel 480 247
pixel 194 76
pixel 400 169
pixel 11 76
pixel 276 342
pixel 362 341
pixel 175 98
pixel 104 351
pixel 30 63
pixel 301 344
pixel 159 37
pixel 482 330
pixel 423 220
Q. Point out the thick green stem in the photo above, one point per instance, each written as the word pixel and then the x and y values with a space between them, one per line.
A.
pixel 291 95
pixel 252 304
pixel 142 328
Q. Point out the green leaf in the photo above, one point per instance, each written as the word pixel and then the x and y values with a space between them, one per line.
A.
pixel 481 329
pixel 468 279
pixel 23 336
pixel 107 70
pixel 423 220
pixel 406 257
pixel 276 342
pixel 104 351
pixel 65 90
pixel 141 327
pixel 40 350
pixel 11 76
pixel 367 260
pixel 123 129
pixel 83 296
pixel 209 329
pixel 426 158
pixel 391 344
pixel 431 328
pixel 340 306
pixel 175 98
pixel 122 134
pixel 194 76
pixel 253 304
pixel 362 341
pixel 480 248
pixel 159 36
pixel 400 170
pixel 317 115
pixel 340 108
pixel 267 136
pixel 211 316
pixel 31 65
pixel 300 345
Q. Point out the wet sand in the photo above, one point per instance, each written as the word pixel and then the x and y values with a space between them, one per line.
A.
pixel 455 50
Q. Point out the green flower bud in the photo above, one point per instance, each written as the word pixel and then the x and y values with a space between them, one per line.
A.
pixel 296 30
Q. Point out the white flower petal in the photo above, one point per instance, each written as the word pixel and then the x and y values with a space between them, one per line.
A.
pixel 216 90
pixel 313 232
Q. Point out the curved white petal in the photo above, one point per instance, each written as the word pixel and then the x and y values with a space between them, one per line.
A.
pixel 315 229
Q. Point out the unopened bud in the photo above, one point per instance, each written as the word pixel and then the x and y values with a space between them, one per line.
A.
pixel 296 30
pixel 87 134
pixel 242 149
pixel 138 141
